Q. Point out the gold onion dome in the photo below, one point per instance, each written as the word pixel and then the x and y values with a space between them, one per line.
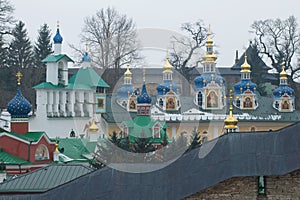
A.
pixel 283 74
pixel 167 67
pixel 230 121
pixel 246 67
pixel 127 72
pixel 93 127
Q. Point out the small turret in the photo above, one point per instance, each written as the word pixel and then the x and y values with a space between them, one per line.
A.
pixel 57 41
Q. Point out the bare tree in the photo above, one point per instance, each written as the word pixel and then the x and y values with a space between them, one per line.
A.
pixel 184 49
pixel 111 38
pixel 278 40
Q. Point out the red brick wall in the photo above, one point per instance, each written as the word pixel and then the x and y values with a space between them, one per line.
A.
pixel 20 149
pixel 19 127
pixel 14 147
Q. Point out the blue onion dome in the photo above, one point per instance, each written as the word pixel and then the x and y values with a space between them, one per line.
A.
pixel 19 106
pixel 164 87
pixel 124 91
pixel 86 58
pixel 144 97
pixel 57 38
pixel 244 85
pixel 204 79
pixel 283 90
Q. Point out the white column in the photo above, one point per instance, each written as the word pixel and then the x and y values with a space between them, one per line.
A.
pixel 55 103
pixel 50 103
pixel 80 96
pixel 89 103
pixel 65 73
pixel 62 103
pixel 41 102
pixel 71 103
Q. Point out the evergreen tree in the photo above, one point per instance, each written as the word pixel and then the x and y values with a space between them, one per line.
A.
pixel 20 49
pixel 43 46
pixel 3 53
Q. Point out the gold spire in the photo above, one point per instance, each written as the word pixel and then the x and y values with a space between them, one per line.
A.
pixel 230 121
pixel 209 56
pixel 19 75
pixel 283 74
pixel 209 41
pixel 127 72
pixel 57 24
pixel 245 67
pixel 93 127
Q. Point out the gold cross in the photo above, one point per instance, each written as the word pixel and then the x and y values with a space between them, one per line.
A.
pixel 19 75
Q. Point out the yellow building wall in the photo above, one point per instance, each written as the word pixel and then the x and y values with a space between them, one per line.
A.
pixel 212 129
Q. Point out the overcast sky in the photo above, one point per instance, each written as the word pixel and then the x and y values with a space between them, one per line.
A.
pixel 230 20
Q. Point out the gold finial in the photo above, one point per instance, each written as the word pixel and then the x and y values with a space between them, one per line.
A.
pixel 230 96
pixel 57 24
pixel 93 127
pixel 56 145
pixel 283 74
pixel 19 75
pixel 167 55
pixel 230 121
pixel 127 72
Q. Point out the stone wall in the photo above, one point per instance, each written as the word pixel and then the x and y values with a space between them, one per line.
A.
pixel 276 187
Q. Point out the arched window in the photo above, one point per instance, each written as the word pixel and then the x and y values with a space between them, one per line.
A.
pixel 276 104
pixel 199 98
pixel 156 131
pixel 60 75
pixel 238 103
pixel 161 103
pixel 252 129
pixel 41 153
pixel 147 111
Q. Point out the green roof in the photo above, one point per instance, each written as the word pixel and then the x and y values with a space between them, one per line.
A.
pixel 44 179
pixel 10 159
pixel 29 136
pixel 74 149
pixel 47 85
pixel 86 78
pixel 143 125
pixel 56 58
